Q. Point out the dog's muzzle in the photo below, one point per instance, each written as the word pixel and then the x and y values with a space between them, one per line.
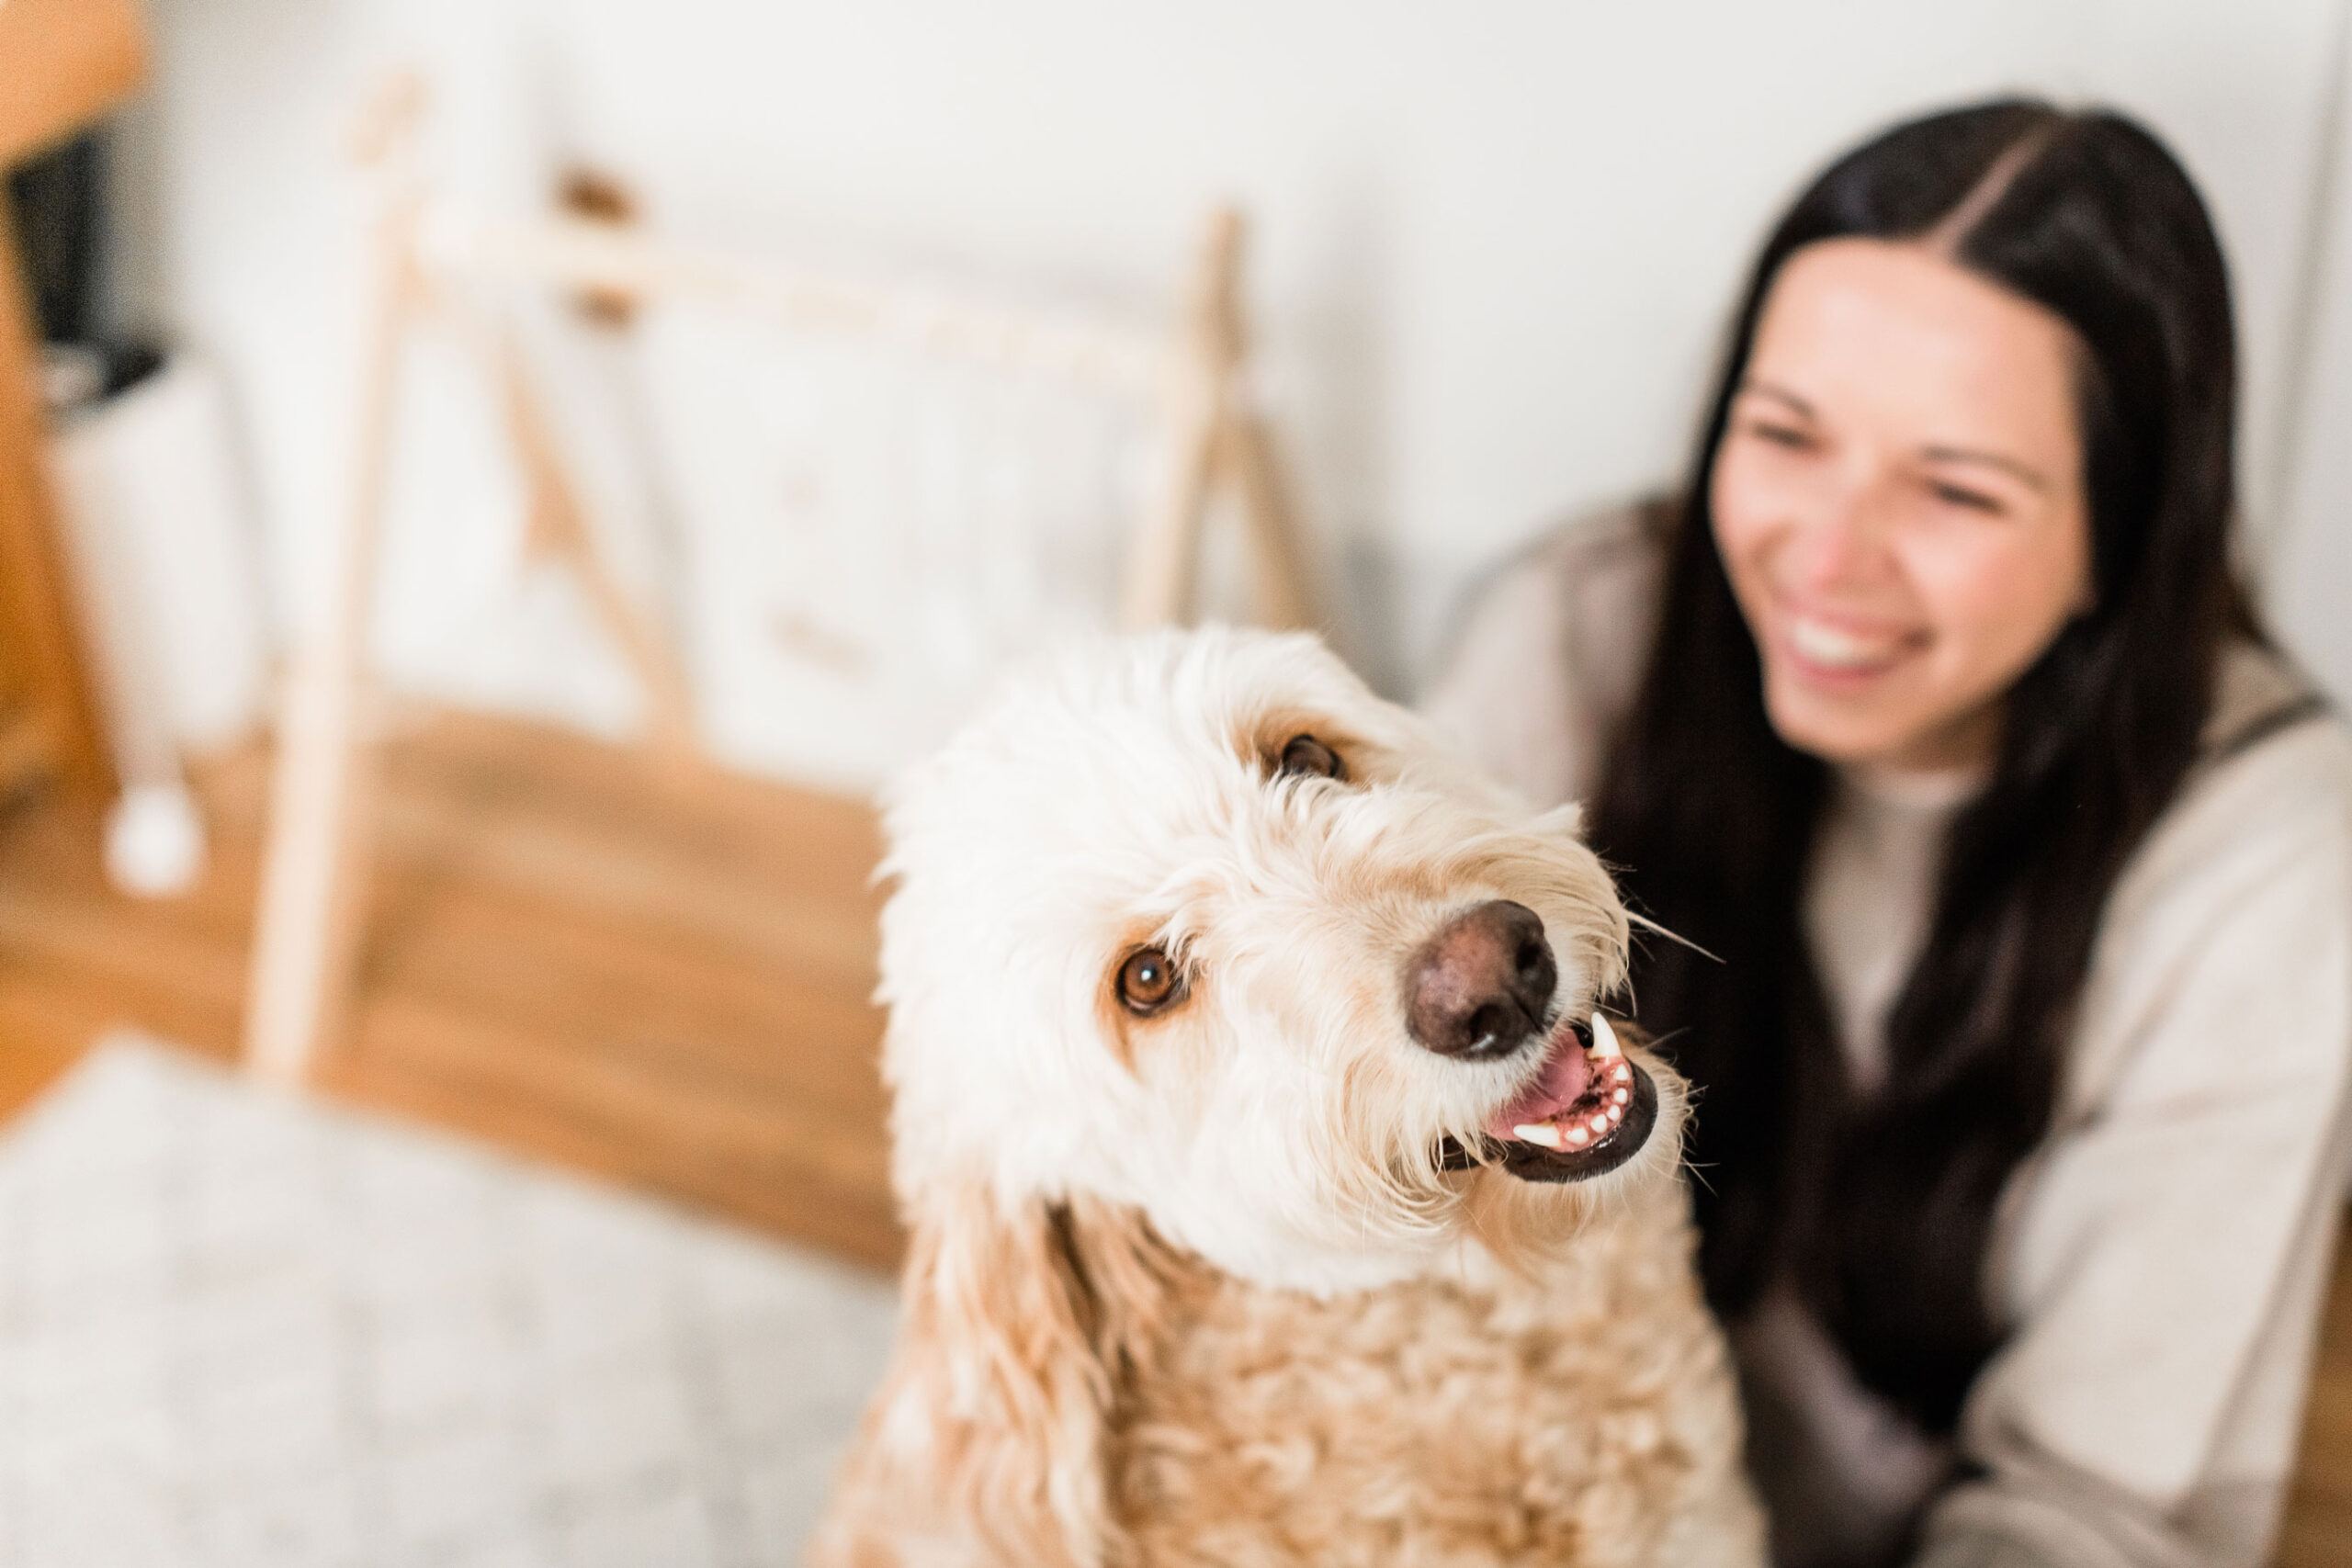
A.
pixel 1480 990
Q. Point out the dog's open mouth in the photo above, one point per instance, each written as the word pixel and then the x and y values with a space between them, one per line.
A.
pixel 1589 1112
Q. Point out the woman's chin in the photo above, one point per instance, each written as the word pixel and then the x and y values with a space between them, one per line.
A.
pixel 1846 722
pixel 1881 725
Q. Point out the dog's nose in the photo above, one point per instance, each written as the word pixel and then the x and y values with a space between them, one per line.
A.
pixel 1481 985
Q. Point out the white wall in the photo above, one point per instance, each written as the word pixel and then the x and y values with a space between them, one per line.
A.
pixel 2309 556
pixel 1496 240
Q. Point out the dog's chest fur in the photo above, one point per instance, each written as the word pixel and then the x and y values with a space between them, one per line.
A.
pixel 1565 1417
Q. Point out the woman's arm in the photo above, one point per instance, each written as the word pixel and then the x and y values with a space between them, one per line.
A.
pixel 2164 1261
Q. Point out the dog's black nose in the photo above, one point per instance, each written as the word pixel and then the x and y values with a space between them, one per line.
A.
pixel 1481 985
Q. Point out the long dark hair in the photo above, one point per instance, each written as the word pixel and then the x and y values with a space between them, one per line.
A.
pixel 1878 1210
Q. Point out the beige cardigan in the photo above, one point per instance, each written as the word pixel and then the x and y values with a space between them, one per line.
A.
pixel 2162 1259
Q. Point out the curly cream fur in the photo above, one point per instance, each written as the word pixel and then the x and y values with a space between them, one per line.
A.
pixel 1195 1288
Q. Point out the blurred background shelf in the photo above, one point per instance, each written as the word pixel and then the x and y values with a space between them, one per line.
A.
pixel 62 65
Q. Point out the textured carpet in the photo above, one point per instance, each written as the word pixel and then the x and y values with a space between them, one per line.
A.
pixel 239 1327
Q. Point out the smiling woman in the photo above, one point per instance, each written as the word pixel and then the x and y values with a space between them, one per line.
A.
pixel 1898 502
pixel 2014 865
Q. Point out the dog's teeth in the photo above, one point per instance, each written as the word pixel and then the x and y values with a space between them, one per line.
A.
pixel 1599 1124
pixel 1621 1073
pixel 1616 1114
pixel 1542 1133
pixel 1620 1097
pixel 1604 1039
pixel 1579 1137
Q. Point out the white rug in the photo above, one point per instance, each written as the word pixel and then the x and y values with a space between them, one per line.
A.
pixel 239 1328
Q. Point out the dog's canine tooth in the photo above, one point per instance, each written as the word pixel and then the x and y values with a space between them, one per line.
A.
pixel 1604 1039
pixel 1542 1133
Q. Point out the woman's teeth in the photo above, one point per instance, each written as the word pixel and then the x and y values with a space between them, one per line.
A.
pixel 1818 642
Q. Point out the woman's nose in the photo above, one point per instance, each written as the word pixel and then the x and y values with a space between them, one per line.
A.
pixel 1842 540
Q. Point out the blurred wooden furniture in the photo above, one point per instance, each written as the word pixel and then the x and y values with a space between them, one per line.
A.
pixel 63 64
pixel 428 253
pixel 1215 440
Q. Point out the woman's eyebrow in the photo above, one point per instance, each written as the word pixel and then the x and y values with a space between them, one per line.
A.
pixel 2026 474
pixel 1777 394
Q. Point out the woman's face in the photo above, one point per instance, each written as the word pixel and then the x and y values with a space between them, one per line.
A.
pixel 1898 500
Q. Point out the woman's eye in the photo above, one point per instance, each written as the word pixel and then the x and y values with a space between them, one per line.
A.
pixel 1305 755
pixel 1971 500
pixel 1149 981
pixel 1786 435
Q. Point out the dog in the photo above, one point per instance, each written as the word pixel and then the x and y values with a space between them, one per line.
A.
pixel 1277 1195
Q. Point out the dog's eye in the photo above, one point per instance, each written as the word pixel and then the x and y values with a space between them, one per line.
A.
pixel 1149 981
pixel 1306 755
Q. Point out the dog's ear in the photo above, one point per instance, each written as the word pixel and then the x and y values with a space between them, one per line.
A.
pixel 1021 1322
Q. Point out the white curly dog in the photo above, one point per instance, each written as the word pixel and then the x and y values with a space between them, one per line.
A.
pixel 1277 1196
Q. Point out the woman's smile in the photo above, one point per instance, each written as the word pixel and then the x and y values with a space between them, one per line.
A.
pixel 1822 649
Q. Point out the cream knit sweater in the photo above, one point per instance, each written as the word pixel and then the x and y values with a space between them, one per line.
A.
pixel 2160 1261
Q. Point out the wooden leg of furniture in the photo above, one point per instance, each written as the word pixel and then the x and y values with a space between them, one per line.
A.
pixel 559 526
pixel 1215 442
pixel 1167 548
pixel 1246 457
pixel 1161 572
pixel 307 928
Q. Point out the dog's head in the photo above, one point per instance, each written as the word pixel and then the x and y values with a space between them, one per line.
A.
pixel 1196 925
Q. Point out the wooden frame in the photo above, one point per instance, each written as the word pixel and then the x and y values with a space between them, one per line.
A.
pixel 62 65
pixel 1193 374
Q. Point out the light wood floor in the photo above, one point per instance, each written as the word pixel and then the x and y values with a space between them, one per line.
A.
pixel 661 980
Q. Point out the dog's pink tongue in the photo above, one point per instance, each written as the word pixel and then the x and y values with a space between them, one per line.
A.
pixel 1567 1073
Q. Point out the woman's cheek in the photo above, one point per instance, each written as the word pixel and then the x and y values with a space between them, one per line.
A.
pixel 1994 597
pixel 1752 505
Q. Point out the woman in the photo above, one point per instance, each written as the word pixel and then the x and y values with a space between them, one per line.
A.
pixel 2011 869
